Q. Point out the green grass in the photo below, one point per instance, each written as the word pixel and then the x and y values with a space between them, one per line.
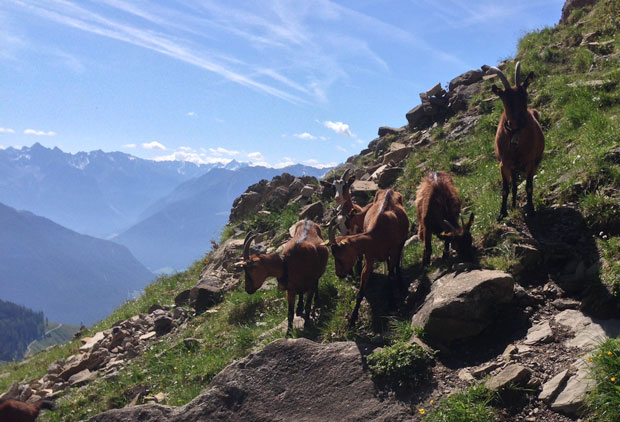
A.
pixel 604 401
pixel 471 405
pixel 401 364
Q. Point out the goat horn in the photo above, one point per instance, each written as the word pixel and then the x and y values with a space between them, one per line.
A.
pixel 450 226
pixel 345 174
pixel 332 231
pixel 246 245
pixel 518 74
pixel 501 75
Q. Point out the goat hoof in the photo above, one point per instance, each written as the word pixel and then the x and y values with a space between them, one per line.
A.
pixel 501 216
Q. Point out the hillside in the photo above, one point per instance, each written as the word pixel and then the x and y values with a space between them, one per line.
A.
pixel 523 335
pixel 18 327
pixel 47 267
pixel 178 228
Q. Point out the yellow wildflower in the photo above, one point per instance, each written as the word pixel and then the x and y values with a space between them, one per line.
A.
pixel 609 353
pixel 613 379
pixel 589 359
pixel 422 411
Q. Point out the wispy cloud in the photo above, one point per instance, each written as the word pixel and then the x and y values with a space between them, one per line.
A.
pixel 338 127
pixel 192 114
pixel 223 151
pixel 192 157
pixel 130 146
pixel 39 132
pixel 305 136
pixel 256 156
pixel 153 145
pixel 6 130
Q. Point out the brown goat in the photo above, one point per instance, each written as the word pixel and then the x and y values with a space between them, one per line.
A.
pixel 385 231
pixel 348 219
pixel 519 140
pixel 299 268
pixel 439 208
pixel 19 411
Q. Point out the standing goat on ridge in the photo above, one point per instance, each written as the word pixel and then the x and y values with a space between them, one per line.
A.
pixel 385 231
pixel 299 268
pixel 19 411
pixel 439 208
pixel 519 140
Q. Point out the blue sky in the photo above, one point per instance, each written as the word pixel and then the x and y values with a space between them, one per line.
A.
pixel 266 81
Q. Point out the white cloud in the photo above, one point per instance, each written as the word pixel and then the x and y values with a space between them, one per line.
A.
pixel 192 114
pixel 256 156
pixel 39 132
pixel 315 163
pixel 129 146
pixel 153 145
pixel 338 127
pixel 186 149
pixel 192 157
pixel 340 148
pixel 284 163
pixel 305 136
pixel 219 151
pixel 6 130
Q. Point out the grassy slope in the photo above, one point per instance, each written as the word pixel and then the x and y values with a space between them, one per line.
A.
pixel 56 333
pixel 580 127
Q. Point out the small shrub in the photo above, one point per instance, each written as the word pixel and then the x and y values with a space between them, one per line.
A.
pixel 472 405
pixel 604 400
pixel 403 364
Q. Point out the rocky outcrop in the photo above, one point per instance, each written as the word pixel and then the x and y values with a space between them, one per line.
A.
pixel 572 5
pixel 463 305
pixel 275 194
pixel 288 380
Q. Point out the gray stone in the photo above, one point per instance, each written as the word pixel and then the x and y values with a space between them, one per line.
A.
pixel 312 211
pixel 588 332
pixel 565 303
pixel 307 191
pixel 288 380
pixel 397 155
pixel 245 205
pixel 369 187
pixel 182 298
pixel 539 334
pixel 466 78
pixel 163 324
pixel 388 176
pixel 512 375
pixel 82 377
pixel 462 305
pixel 571 400
pixel 386 130
pixel 204 295
pixel 552 387
pixel 528 255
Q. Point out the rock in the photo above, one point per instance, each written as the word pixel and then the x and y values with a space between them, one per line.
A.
pixel 147 336
pixel 91 361
pixel 465 375
pixel 528 255
pixel 386 130
pixel 466 78
pixel 296 186
pixel 312 211
pixel 364 187
pixel 12 392
pixel 539 334
pixel 564 303
pixel 307 191
pixel 90 343
pixel 462 305
pixel 163 324
pixel 417 118
pixel 82 377
pixel 288 380
pixel 571 400
pixel 512 375
pixel 588 332
pixel 397 155
pixel 462 95
pixel 204 295
pixel 485 369
pixel 182 298
pixel 245 205
pixel 434 90
pixel 277 198
pixel 553 386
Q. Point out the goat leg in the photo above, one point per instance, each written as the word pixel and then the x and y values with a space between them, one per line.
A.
pixel 505 180
pixel 290 297
pixel 308 306
pixel 360 294
pixel 446 249
pixel 529 189
pixel 427 250
pixel 300 305
pixel 514 189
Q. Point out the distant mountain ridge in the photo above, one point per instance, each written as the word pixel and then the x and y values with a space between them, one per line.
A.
pixel 97 193
pixel 71 277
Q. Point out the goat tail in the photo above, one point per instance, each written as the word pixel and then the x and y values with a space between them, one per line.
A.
pixel 45 404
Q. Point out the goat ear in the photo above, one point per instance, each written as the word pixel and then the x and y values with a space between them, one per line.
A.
pixel 497 90
pixel 528 80
pixel 469 222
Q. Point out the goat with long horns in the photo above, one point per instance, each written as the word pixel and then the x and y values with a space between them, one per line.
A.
pixel 519 140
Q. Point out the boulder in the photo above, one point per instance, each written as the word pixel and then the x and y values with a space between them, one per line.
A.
pixel 571 400
pixel 553 386
pixel 204 295
pixel 397 155
pixel 571 5
pixel 388 176
pixel 587 332
pixel 162 324
pixel 462 305
pixel 277 198
pixel 362 186
pixel 182 298
pixel 82 377
pixel 312 211
pixel 307 191
pixel 511 376
pixel 539 334
pixel 417 117
pixel 245 205
pixel 466 78
pixel 288 380
pixel 386 130
pixel 296 186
